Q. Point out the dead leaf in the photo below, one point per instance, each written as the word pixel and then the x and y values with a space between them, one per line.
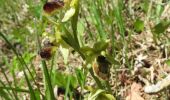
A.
pixel 135 92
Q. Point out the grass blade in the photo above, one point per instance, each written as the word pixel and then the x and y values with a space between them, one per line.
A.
pixel 4 95
pixel 117 5
pixel 1 82
pixel 15 95
pixel 15 89
pixel 19 58
pixel 98 23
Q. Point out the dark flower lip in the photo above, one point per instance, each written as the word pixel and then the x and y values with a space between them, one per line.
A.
pixel 102 68
pixel 51 6
pixel 46 52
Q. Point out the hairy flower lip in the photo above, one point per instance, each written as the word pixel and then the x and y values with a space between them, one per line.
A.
pixel 51 6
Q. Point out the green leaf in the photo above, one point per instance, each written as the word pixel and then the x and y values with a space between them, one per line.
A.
pixel 74 3
pixel 99 94
pixel 89 88
pixel 74 21
pixel 105 96
pixel 59 79
pixel 36 10
pixel 81 27
pixel 139 25
pixel 145 5
pixel 100 46
pixel 80 77
pixel 69 14
pixel 28 57
pixel 161 27
pixel 65 53
pixel 80 31
pixel 69 39
pixel 168 62
pixel 87 50
pixel 16 65
pixel 93 95
pixel 73 81
pixel 89 53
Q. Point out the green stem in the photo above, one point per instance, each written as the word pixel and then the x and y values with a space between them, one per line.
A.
pixel 108 86
pixel 45 70
pixel 98 82
pixel 48 80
